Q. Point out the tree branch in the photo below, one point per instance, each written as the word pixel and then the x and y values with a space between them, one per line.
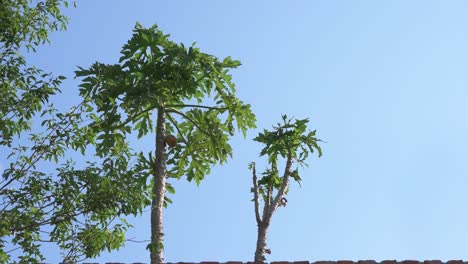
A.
pixel 172 110
pixel 269 194
pixel 129 119
pixel 9 251
pixel 21 39
pixel 199 106
pixel 284 185
pixel 267 204
pixel 37 155
pixel 139 114
pixel 177 128
pixel 137 241
pixel 203 77
pixel 255 187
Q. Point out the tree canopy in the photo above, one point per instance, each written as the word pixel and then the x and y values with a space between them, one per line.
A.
pixel 194 97
pixel 44 196
pixel 25 89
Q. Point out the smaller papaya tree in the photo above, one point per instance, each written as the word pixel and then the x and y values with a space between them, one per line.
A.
pixel 289 141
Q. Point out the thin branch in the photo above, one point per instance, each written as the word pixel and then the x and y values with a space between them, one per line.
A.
pixel 177 128
pixel 9 251
pixel 21 39
pixel 266 205
pixel 50 220
pixel 32 157
pixel 137 241
pixel 46 241
pixel 284 185
pixel 129 119
pixel 4 116
pixel 74 250
pixel 139 114
pixel 172 110
pixel 269 195
pixel 199 106
pixel 203 77
pixel 255 187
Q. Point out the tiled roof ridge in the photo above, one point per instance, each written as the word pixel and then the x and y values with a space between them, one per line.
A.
pixel 303 262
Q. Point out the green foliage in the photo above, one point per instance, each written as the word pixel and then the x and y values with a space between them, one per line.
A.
pixel 155 73
pixel 77 208
pixel 44 197
pixel 24 89
pixel 62 207
pixel 289 140
pixel 193 95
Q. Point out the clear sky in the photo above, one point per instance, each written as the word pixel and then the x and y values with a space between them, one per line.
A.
pixel 383 82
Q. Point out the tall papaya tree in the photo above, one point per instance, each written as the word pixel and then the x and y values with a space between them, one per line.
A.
pixel 290 142
pixel 185 96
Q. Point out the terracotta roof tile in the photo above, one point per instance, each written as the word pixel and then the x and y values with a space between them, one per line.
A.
pixel 455 262
pixel 411 262
pixel 367 262
pixel 286 262
pixel 304 262
pixel 325 262
pixel 301 262
pixel 388 262
pixel 255 262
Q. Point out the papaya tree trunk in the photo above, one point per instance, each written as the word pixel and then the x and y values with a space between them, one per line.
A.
pixel 159 189
pixel 269 208
pixel 261 242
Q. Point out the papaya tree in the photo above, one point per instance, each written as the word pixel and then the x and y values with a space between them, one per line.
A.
pixel 185 96
pixel 290 142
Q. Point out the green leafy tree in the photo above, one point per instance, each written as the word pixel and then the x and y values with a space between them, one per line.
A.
pixel 183 95
pixel 289 141
pixel 25 89
pixel 77 208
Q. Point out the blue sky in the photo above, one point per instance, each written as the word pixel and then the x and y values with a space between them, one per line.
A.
pixel 383 82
